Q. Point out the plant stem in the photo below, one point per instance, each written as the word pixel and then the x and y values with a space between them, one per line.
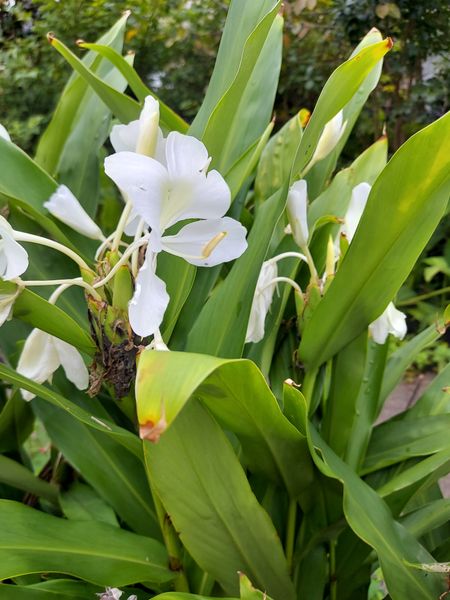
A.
pixel 290 532
pixel 308 387
pixel 64 285
pixel 121 225
pixel 21 236
pixel 172 544
pixel 416 299
pixel 333 581
pixel 123 259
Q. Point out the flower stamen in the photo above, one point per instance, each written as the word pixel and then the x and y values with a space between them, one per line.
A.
pixel 212 244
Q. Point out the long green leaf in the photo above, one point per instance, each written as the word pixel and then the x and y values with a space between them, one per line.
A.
pixel 169 119
pixel 18 476
pixel 123 107
pixel 34 542
pixel 370 519
pixel 412 188
pixel 204 490
pixel 238 396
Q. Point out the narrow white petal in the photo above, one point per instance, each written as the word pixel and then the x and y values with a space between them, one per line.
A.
pixel 208 243
pixel 143 180
pixel 124 138
pixel 331 134
pixel 6 305
pixel 196 197
pixel 13 257
pixel 4 133
pixel 73 364
pixel 185 155
pixel 296 207
pixel 262 300
pixel 148 127
pixel 148 305
pixel 39 359
pixel 64 206
pixel 358 201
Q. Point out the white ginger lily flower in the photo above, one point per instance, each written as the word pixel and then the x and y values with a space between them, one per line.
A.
pixel 4 133
pixel 297 204
pixel 143 135
pixel 331 134
pixel 164 194
pixel 262 299
pixel 43 353
pixel 13 258
pixel 358 201
pixel 7 300
pixel 113 594
pixel 392 321
pixel 64 206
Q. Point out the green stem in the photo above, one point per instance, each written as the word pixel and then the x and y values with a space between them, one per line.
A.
pixel 308 387
pixel 172 544
pixel 333 581
pixel 290 532
pixel 416 299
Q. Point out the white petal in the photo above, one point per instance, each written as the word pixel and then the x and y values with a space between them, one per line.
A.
pixel 4 133
pixel 358 202
pixel 391 321
pixel 64 206
pixel 208 243
pixel 331 134
pixel 196 197
pixel 13 258
pixel 148 127
pixel 297 203
pixel 7 300
pixel 142 180
pixel 39 359
pixel 73 364
pixel 124 138
pixel 185 155
pixel 148 305
pixel 262 300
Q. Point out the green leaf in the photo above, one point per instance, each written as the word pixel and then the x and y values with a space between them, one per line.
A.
pixel 127 439
pixel 229 306
pixel 81 503
pixel 76 93
pixel 34 542
pixel 168 118
pixel 248 592
pixel 54 589
pixel 236 393
pixel 32 309
pixel 396 441
pixel 412 188
pixel 425 519
pixel 197 474
pixel 116 474
pixel 436 398
pixel 371 520
pixel 338 90
pixel 242 22
pixel 402 358
pixel 123 107
pixel 16 422
pixel 18 476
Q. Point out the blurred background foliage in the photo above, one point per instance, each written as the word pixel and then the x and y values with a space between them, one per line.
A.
pixel 175 43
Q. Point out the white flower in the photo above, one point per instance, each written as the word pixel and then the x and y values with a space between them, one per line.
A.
pixel 164 194
pixel 296 207
pixel 7 299
pixel 331 134
pixel 43 353
pixel 143 135
pixel 358 201
pixel 113 594
pixel 64 206
pixel 392 321
pixel 4 133
pixel 262 299
pixel 13 258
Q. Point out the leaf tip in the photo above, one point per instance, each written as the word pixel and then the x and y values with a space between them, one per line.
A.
pixel 152 431
pixel 51 37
